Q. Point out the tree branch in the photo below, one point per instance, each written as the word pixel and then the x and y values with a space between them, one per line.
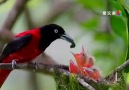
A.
pixel 3 1
pixel 45 67
pixel 85 84
pixel 37 66
pixel 122 67
pixel 14 13
pixel 113 76
pixel 63 69
pixel 5 34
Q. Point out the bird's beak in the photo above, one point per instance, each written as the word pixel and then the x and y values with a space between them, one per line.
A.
pixel 69 39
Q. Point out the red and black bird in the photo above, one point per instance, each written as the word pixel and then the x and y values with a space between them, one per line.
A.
pixel 29 44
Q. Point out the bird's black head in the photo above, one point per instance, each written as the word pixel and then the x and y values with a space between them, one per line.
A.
pixel 51 32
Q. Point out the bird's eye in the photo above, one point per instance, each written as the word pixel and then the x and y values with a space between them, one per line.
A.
pixel 56 31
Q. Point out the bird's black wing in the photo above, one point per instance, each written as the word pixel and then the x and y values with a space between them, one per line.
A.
pixel 15 45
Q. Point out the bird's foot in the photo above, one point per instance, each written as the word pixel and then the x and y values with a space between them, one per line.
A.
pixel 14 64
pixel 36 65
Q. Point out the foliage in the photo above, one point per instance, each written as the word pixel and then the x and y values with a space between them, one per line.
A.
pixel 119 31
pixel 106 37
pixel 65 82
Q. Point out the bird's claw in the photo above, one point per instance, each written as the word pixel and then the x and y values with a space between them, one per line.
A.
pixel 14 64
pixel 36 65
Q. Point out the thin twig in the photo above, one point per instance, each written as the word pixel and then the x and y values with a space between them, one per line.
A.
pixel 111 77
pixel 29 20
pixel 5 34
pixel 79 79
pixel 85 84
pixel 58 7
pixel 3 1
pixel 14 14
pixel 122 67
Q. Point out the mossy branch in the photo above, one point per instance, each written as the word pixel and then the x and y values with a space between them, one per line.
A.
pixel 71 81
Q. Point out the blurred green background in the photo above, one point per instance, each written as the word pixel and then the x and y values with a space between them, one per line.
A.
pixel 104 37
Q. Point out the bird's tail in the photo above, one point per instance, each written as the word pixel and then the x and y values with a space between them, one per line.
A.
pixel 3 76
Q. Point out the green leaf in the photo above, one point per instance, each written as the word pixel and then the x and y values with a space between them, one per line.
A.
pixel 91 24
pixel 6 6
pixel 93 4
pixel 124 4
pixel 103 37
pixel 118 6
pixel 127 57
pixel 118 25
